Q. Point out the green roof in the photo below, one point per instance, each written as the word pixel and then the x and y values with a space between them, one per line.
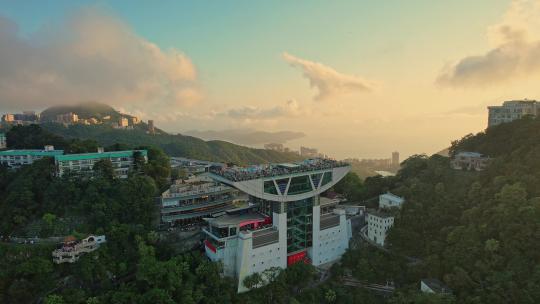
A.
pixel 50 153
pixel 112 154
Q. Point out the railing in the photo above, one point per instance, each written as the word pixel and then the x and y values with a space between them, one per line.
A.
pixel 329 221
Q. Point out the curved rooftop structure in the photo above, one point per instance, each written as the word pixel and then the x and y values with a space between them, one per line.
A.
pixel 284 182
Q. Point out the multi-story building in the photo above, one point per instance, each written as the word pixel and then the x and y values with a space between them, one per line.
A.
pixel 284 224
pixel 14 159
pixel 308 152
pixel 469 161
pixel 3 141
pixel 151 127
pixel 512 110
pixel 274 147
pixel 389 200
pixel 379 222
pixel 189 201
pixel 123 122
pixel 395 159
pixel 83 164
pixel 9 118
pixel 193 166
pixel 67 118
pixel 134 120
pixel 27 117
pixel 71 250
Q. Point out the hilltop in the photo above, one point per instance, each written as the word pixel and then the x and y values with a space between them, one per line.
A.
pixel 84 110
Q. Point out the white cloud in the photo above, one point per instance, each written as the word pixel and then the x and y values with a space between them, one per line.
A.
pixel 515 53
pixel 92 56
pixel 329 82
pixel 291 108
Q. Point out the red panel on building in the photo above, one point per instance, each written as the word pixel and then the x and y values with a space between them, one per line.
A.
pixel 209 245
pixel 296 257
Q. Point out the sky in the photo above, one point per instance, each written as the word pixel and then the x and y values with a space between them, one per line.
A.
pixel 351 78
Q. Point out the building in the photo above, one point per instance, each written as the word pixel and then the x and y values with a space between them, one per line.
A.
pixel 469 161
pixel 379 222
pixel 123 122
pixel 27 117
pixel 395 159
pixel 67 118
pixel 71 250
pixel 9 118
pixel 189 201
pixel 434 286
pixel 3 141
pixel 512 110
pixel 389 200
pixel 83 164
pixel 14 159
pixel 308 152
pixel 134 120
pixel 285 222
pixel 193 166
pixel 274 147
pixel 151 128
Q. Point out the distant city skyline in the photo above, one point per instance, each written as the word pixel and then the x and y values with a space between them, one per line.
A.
pixel 360 79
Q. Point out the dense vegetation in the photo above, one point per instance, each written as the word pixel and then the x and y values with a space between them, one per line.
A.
pixel 479 232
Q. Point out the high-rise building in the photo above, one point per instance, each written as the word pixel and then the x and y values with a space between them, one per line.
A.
pixel 395 159
pixel 308 152
pixel 8 118
pixel 512 110
pixel 284 224
pixel 151 128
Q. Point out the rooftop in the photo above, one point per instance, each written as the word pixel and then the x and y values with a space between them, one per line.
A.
pixel 380 213
pixel 436 285
pixel 469 154
pixel 33 152
pixel 95 155
pixel 235 220
pixel 392 197
pixel 271 170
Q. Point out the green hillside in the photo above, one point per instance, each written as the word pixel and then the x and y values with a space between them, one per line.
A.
pixel 174 145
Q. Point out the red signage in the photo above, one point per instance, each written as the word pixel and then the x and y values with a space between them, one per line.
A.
pixel 209 245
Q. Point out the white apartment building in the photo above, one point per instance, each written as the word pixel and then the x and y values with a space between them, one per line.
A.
pixel 389 200
pixel 378 225
pixel 512 110
pixel 14 159
pixel 469 161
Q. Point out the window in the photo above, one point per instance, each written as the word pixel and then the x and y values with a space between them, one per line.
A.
pixel 299 185
pixel 270 188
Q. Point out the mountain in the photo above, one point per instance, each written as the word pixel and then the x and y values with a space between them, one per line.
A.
pixel 247 137
pixel 83 110
pixel 174 145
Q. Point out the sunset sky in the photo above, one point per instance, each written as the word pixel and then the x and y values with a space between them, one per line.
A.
pixel 358 78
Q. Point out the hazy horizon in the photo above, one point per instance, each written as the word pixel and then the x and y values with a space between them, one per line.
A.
pixel 359 79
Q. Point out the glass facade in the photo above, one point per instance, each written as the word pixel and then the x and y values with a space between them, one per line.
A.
pixel 299 224
pixel 270 188
pixel 299 185
pixel 326 178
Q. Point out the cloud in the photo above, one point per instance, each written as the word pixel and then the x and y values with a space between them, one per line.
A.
pixel 515 53
pixel 91 55
pixel 291 108
pixel 329 82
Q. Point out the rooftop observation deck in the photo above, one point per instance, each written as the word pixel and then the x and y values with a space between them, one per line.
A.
pixel 238 174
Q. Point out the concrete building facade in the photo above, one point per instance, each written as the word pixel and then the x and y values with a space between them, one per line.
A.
pixel 469 161
pixel 284 223
pixel 83 164
pixel 512 110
